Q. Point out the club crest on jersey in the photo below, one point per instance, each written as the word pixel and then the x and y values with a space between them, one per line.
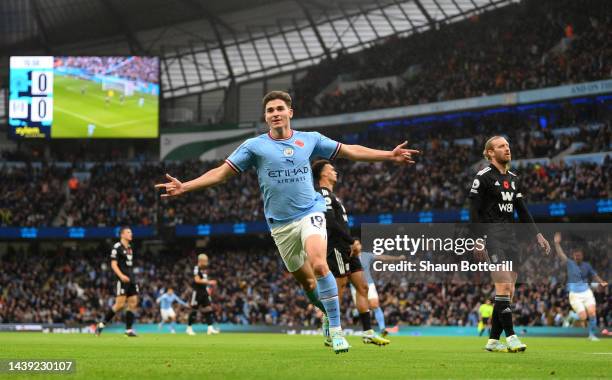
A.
pixel 299 143
pixel 506 185
pixel 288 152
pixel 513 186
pixel 476 184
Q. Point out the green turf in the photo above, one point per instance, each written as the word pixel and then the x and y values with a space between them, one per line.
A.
pixel 274 356
pixel 74 111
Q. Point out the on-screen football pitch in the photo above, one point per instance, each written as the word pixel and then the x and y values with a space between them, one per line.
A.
pixel 275 356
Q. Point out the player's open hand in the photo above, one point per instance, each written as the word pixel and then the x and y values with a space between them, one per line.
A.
pixel 557 238
pixel 403 155
pixel 544 244
pixel 173 188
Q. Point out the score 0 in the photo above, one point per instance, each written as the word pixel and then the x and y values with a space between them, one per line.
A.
pixel 42 107
pixel 42 82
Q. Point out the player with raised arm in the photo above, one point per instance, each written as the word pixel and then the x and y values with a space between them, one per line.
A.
pixel 579 274
pixel 126 290
pixel 495 194
pixel 292 208
pixel 342 248
pixel 168 314
pixel 200 297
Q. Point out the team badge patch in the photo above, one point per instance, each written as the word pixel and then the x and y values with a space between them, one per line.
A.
pixel 288 152
pixel 512 184
pixel 476 184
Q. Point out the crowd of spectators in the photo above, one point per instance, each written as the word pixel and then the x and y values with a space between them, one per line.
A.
pixel 115 193
pixel 144 69
pixel 32 194
pixel 563 182
pixel 555 43
pixel 76 287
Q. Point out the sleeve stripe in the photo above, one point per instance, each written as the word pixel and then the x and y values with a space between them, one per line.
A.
pixel 233 166
pixel 336 151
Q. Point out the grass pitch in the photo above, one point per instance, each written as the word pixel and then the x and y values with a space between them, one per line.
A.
pixel 78 103
pixel 275 356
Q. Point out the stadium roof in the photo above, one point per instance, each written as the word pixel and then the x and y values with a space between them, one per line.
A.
pixel 208 44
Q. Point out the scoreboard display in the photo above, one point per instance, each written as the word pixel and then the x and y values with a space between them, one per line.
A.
pixel 84 97
pixel 31 96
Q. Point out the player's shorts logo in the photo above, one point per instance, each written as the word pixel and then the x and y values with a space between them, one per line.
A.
pixel 288 152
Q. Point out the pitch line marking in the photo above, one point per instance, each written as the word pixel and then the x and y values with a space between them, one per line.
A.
pixel 75 115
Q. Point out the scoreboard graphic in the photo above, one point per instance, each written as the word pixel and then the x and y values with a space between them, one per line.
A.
pixel 53 97
pixel 31 96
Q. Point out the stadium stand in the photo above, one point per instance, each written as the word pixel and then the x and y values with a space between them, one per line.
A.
pixel 556 42
pixel 483 55
pixel 112 193
pixel 82 282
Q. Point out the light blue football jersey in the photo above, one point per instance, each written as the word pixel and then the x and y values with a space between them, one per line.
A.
pixel 166 300
pixel 579 276
pixel 283 170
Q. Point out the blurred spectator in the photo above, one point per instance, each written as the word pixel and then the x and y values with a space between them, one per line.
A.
pixel 73 287
pixel 489 54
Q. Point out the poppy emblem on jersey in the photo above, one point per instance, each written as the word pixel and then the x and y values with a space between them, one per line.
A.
pixel 506 185
pixel 299 143
pixel 288 152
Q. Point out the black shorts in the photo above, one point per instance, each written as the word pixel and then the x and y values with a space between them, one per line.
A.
pixel 485 320
pixel 199 299
pixel 355 264
pixel 342 264
pixel 127 289
pixel 502 250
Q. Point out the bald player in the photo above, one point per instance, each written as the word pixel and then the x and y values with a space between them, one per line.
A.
pixel 200 299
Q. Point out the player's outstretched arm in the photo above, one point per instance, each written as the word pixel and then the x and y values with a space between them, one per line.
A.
pixel 361 153
pixel 212 177
pixel 390 258
pixel 558 249
pixel 600 280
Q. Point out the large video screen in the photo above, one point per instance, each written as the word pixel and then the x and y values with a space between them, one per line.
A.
pixel 84 97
